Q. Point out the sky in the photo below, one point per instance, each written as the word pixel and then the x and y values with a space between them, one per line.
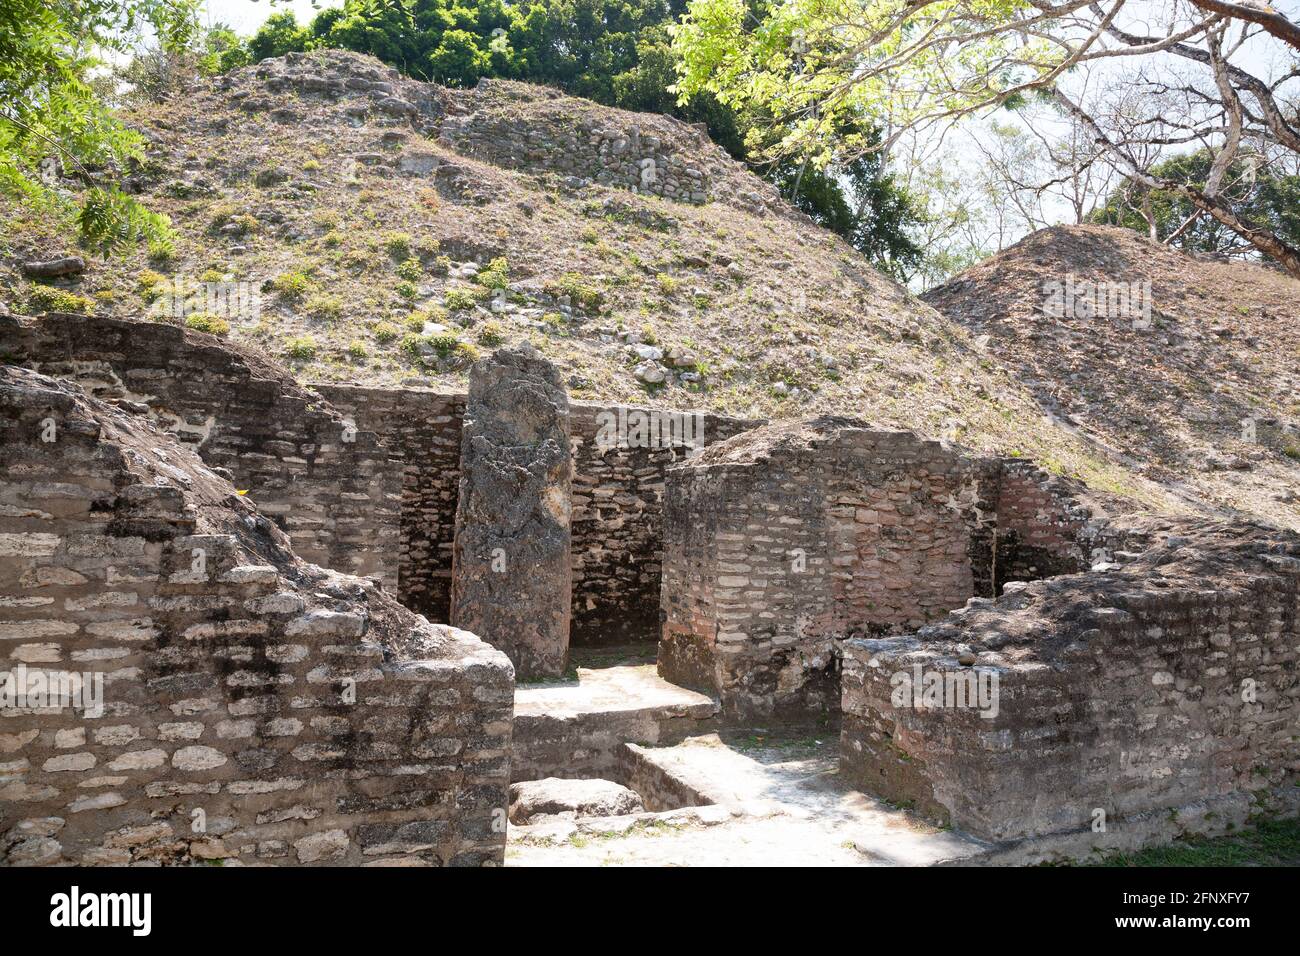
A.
pixel 245 16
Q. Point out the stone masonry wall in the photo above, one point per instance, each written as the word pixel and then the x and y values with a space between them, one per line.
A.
pixel 617 505
pixel 1042 528
pixel 782 542
pixel 254 707
pixel 1161 696
pixel 331 486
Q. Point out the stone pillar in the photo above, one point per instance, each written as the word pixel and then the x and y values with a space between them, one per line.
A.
pixel 511 573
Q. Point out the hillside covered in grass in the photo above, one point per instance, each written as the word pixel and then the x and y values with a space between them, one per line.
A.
pixel 396 230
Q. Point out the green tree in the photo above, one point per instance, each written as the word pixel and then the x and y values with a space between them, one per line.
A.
pixel 50 113
pixel 280 34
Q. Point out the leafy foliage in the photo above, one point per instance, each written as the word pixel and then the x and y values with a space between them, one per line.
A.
pixel 1261 197
pixel 53 123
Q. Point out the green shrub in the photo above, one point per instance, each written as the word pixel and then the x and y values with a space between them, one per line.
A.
pixel 300 347
pixel 581 294
pixel 407 290
pixel 292 285
pixel 667 284
pixel 410 269
pixel 385 332
pixel 459 300
pixel 444 343
pixel 161 249
pixel 44 298
pixel 490 333
pixel 357 349
pixel 496 275
pixel 327 308
pixel 207 322
pixel 398 245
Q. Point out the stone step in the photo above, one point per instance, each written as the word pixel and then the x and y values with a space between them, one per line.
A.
pixel 577 727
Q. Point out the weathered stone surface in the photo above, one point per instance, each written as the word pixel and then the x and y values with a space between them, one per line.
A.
pixel 617 520
pixel 783 541
pixel 1163 688
pixel 511 576
pixel 287 728
pixel 581 798
pixel 53 268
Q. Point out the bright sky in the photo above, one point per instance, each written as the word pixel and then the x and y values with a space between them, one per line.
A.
pixel 245 16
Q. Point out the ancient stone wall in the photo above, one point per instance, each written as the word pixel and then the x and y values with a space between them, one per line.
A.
pixel 332 486
pixel 422 428
pixel 616 523
pixel 1165 690
pixel 1042 528
pixel 782 542
pixel 250 706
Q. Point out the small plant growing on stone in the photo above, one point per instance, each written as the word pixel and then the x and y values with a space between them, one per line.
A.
pixel 491 333
pixel 496 275
pixel 459 300
pixel 407 290
pixel 291 286
pixel 300 347
pixel 590 235
pixel 385 332
pixel 161 249
pixel 398 245
pixel 648 335
pixel 207 322
pixel 152 284
pixel 333 239
pixel 357 349
pixel 667 284
pixel 410 269
pixel 43 298
pixel 581 294
pixel 327 308
pixel 444 343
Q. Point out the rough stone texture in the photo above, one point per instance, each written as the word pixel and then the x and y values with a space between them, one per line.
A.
pixel 617 519
pixel 579 798
pixel 256 708
pixel 579 730
pixel 519 126
pixel 331 486
pixel 1165 688
pixel 511 577
pixel 782 542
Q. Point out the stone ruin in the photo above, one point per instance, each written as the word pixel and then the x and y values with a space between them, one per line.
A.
pixel 250 705
pixel 785 541
pixel 263 709
pixel 511 579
